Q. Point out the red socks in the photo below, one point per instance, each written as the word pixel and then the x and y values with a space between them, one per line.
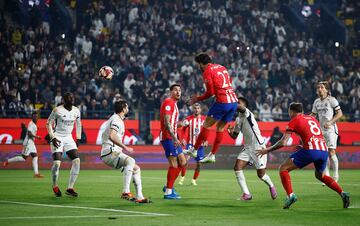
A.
pixel 217 142
pixel 172 174
pixel 183 171
pixel 286 181
pixel 202 137
pixel 196 174
pixel 331 183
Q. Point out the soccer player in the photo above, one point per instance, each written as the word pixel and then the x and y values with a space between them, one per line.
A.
pixel 218 84
pixel 112 155
pixel 169 117
pixel 314 150
pixel 61 140
pixel 191 126
pixel 327 108
pixel 29 147
pixel 246 124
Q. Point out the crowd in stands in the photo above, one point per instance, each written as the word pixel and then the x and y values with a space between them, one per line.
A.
pixel 151 45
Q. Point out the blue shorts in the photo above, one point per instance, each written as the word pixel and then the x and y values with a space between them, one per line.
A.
pixel 170 149
pixel 200 152
pixel 303 157
pixel 223 112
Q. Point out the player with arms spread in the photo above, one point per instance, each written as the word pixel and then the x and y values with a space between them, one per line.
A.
pixel 246 124
pixel 314 150
pixel 112 155
pixel 327 108
pixel 29 147
pixel 169 117
pixel 218 84
pixel 61 140
pixel 191 127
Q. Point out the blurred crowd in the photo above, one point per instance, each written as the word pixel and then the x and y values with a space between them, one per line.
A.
pixel 151 45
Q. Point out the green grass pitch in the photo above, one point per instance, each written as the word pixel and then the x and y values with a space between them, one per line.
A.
pixel 28 201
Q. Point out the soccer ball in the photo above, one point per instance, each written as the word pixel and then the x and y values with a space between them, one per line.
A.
pixel 106 72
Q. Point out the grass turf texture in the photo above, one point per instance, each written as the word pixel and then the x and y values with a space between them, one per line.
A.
pixel 212 202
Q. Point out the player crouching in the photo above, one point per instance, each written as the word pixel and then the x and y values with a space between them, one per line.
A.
pixel 112 155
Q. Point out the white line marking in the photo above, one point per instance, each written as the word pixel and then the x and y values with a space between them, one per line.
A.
pixel 84 207
pixel 62 217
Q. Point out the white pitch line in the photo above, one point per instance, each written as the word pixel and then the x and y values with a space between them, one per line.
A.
pixel 64 217
pixel 84 207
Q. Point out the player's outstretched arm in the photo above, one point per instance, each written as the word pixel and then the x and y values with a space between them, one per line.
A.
pixel 281 143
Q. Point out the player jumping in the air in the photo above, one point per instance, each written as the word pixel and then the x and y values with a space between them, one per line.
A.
pixel 218 84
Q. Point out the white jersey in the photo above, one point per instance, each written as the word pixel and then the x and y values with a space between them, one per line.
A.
pixel 325 109
pixel 117 124
pixel 63 121
pixel 32 128
pixel 247 125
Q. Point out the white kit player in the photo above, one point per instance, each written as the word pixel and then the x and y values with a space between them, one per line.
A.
pixel 247 125
pixel 328 111
pixel 112 155
pixel 63 118
pixel 29 147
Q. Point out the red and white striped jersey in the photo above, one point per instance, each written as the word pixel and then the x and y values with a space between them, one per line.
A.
pixel 218 83
pixel 168 107
pixel 192 125
pixel 308 128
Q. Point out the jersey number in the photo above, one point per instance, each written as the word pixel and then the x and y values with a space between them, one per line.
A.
pixel 226 80
pixel 314 128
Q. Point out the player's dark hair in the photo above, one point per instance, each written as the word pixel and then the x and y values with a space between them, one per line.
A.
pixel 119 106
pixel 67 94
pixel 173 86
pixel 203 58
pixel 243 99
pixel 296 107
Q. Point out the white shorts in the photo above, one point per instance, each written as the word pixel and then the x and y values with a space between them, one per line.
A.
pixel 330 139
pixel 29 148
pixel 114 159
pixel 66 144
pixel 248 154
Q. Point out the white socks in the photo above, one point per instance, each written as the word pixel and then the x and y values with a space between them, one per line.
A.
pixel 241 180
pixel 16 159
pixel 74 172
pixel 138 184
pixel 267 180
pixel 335 163
pixel 327 173
pixel 55 172
pixel 35 165
pixel 128 173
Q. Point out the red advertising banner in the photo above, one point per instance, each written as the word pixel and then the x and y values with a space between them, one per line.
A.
pixel 153 157
pixel 349 133
pixel 10 130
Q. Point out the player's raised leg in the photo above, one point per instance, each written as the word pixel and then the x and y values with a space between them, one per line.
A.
pixel 320 165
pixel 18 158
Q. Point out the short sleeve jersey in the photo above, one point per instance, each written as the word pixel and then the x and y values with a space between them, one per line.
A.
pixel 247 125
pixel 308 128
